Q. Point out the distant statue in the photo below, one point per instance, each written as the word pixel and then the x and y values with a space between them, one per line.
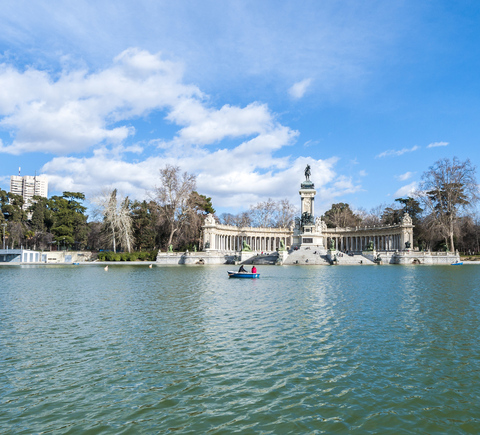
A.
pixel 407 245
pixel 370 246
pixel 307 218
pixel 282 246
pixel 307 172
pixel 332 245
pixel 209 220
pixel 170 248
pixel 207 245
pixel 194 248
pixel 246 246
pixel 406 219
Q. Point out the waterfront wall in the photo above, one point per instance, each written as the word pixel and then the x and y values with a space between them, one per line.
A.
pixel 52 257
pixel 300 257
pixel 195 258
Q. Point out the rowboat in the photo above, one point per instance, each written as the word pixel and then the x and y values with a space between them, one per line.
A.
pixel 458 263
pixel 233 274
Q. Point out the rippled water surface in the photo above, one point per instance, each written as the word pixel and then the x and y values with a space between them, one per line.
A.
pixel 379 349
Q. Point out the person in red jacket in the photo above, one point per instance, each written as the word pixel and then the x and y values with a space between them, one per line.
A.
pixel 254 269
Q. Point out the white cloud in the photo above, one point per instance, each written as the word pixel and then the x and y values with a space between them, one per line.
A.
pixel 231 177
pixel 363 173
pixel 206 126
pixel 79 110
pixel 437 144
pixel 298 90
pixel 404 177
pixel 407 190
pixel 398 152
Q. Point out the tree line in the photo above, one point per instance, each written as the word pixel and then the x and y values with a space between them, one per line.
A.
pixel 173 215
pixel 442 211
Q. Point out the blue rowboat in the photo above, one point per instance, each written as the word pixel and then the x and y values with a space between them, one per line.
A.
pixel 232 274
pixel 458 263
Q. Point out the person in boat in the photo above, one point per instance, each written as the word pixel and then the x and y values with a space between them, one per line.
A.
pixel 242 269
pixel 254 269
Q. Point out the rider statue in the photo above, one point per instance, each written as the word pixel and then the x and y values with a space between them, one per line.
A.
pixel 307 172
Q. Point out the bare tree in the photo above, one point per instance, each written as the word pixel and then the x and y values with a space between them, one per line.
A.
pixel 286 212
pixel 244 219
pixel 172 197
pixel 228 219
pixel 446 188
pixel 116 214
pixel 263 214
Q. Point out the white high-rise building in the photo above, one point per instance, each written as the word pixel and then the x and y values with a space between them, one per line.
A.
pixel 29 186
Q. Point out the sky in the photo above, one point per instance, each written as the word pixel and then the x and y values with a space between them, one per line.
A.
pixel 244 94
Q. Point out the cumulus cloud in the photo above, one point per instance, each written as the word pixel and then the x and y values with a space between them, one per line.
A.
pixel 407 190
pixel 398 152
pixel 437 144
pixel 206 126
pixel 404 177
pixel 230 177
pixel 79 109
pixel 85 119
pixel 298 90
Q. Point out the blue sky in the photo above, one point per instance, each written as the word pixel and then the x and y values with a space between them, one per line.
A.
pixel 102 94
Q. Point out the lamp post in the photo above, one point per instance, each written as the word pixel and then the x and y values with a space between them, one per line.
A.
pixel 4 225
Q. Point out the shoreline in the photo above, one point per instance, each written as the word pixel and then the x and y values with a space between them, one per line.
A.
pixel 154 263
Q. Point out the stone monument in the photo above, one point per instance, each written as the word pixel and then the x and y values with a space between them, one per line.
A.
pixel 308 230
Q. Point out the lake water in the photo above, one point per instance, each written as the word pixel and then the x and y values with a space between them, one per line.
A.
pixel 185 350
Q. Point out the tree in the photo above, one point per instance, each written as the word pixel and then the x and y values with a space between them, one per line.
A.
pixel 172 198
pixel 94 235
pixel 286 212
pixel 69 219
pixel 412 207
pixel 447 188
pixel 372 217
pixel 391 215
pixel 228 219
pixel 144 222
pixel 199 207
pixel 243 219
pixel 340 215
pixel 263 214
pixel 117 217
pixel 12 207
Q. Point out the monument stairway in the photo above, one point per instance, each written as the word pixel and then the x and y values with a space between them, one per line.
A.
pixel 308 256
pixel 270 258
pixel 351 259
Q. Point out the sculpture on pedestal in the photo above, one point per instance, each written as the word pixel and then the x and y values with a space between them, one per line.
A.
pixel 246 246
pixel 307 172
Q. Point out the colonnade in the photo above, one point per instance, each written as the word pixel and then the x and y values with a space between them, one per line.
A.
pixel 381 242
pixel 385 238
pixel 229 238
pixel 226 242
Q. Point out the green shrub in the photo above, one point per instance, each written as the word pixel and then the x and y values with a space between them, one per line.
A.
pixel 110 256
pixel 142 256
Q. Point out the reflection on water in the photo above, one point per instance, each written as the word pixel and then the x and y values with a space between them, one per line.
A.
pixel 387 349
